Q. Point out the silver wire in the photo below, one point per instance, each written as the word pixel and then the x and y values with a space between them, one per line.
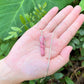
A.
pixel 50 52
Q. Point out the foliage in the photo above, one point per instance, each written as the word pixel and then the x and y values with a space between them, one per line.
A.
pixel 68 80
pixel 17 16
pixel 5 47
pixel 30 19
pixel 58 75
pixel 82 5
pixel 78 40
pixel 10 11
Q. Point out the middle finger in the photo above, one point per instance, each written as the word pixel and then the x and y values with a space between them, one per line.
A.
pixel 58 18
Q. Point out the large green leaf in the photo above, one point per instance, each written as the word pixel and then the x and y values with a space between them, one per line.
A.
pixel 59 3
pixel 11 9
pixel 9 14
pixel 51 3
pixel 82 5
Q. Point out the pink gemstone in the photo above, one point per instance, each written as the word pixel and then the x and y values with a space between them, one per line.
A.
pixel 42 52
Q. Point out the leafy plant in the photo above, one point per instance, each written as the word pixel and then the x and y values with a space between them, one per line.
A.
pixel 30 19
pixel 11 10
pixel 5 47
pixel 13 33
pixel 68 80
pixel 78 40
pixel 82 5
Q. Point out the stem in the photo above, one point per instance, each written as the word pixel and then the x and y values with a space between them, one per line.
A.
pixel 23 25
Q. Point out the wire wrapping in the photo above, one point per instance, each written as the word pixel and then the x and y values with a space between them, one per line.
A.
pixel 42 44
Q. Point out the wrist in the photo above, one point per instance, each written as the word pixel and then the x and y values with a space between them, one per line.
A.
pixel 7 75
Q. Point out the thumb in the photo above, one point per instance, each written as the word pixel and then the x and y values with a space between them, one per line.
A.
pixel 66 52
pixel 59 61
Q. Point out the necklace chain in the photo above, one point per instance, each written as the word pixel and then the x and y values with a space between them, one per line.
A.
pixel 50 51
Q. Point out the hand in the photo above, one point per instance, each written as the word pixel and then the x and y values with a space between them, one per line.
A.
pixel 25 56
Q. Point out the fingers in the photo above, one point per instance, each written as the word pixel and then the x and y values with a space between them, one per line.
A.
pixel 67 22
pixel 45 20
pixel 60 60
pixel 71 31
pixel 58 18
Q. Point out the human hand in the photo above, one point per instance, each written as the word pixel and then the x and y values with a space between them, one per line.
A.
pixel 25 56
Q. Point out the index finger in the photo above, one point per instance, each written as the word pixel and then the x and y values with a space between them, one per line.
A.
pixel 47 18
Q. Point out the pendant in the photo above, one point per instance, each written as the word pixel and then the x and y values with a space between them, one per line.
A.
pixel 42 44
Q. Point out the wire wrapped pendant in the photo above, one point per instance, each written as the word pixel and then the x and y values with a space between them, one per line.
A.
pixel 50 52
pixel 42 44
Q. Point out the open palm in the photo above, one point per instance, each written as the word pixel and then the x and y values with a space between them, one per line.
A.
pixel 25 56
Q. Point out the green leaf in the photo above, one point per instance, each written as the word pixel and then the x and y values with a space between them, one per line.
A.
pixel 73 58
pixel 44 5
pixel 83 45
pixel 82 39
pixel 82 5
pixel 68 80
pixel 31 24
pixel 8 37
pixel 9 14
pixel 39 6
pixel 82 51
pixel 78 72
pixel 12 34
pixel 73 45
pixel 16 29
pixel 81 31
pixel 15 35
pixel 58 75
pixel 81 58
pixel 82 64
pixel 4 46
pixel 36 9
pixel 1 57
pixel 1 53
pixel 22 19
pixel 76 41
pixel 34 12
pixel 31 82
pixel 27 16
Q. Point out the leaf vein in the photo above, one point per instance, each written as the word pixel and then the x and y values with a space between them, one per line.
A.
pixel 9 4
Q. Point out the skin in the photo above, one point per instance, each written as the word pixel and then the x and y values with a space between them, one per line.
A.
pixel 25 57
